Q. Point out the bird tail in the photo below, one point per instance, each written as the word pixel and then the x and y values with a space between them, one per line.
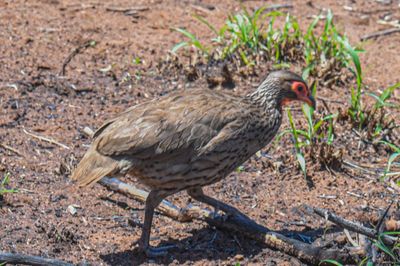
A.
pixel 92 168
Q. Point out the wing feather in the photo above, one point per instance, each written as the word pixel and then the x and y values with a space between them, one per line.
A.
pixel 168 125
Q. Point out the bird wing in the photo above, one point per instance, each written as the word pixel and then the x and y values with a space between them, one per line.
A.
pixel 198 119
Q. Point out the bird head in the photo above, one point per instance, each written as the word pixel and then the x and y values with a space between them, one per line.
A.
pixel 285 86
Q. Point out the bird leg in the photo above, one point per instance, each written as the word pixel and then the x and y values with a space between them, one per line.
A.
pixel 152 201
pixel 198 194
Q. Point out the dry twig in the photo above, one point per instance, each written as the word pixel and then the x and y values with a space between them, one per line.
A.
pixel 46 139
pixel 380 33
pixel 17 152
pixel 127 9
pixel 277 7
pixel 74 52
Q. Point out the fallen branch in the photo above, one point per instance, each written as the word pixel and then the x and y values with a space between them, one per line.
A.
pixel 380 33
pixel 165 207
pixel 352 226
pixel 74 52
pixel 239 223
pixel 46 139
pixel 12 258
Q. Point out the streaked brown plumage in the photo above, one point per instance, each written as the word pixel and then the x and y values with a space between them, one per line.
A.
pixel 188 139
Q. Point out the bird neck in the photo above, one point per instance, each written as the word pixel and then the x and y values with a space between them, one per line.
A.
pixel 267 99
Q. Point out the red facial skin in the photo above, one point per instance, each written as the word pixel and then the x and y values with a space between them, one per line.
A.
pixel 302 92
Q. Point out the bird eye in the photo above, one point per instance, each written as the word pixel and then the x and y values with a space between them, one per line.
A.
pixel 300 88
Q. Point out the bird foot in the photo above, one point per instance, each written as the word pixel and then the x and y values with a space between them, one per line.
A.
pixel 152 252
pixel 215 214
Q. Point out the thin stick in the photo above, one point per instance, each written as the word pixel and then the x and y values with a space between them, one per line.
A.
pixel 277 7
pixel 17 152
pixel 10 258
pixel 352 226
pixel 239 223
pixel 165 207
pixel 380 33
pixel 352 165
pixel 379 227
pixel 74 52
pixel 46 139
pixel 127 9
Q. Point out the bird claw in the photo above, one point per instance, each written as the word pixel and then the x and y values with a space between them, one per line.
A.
pixel 215 214
pixel 152 252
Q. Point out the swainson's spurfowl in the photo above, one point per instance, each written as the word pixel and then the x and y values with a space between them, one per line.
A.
pixel 189 139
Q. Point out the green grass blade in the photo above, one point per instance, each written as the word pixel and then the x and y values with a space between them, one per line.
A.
pixel 283 133
pixel 355 58
pixel 294 131
pixel 311 28
pixel 386 94
pixel 179 46
pixel 6 180
pixel 193 40
pixel 208 24
pixel 302 162
pixel 392 158
pixel 391 145
pixel 385 249
pixel 330 133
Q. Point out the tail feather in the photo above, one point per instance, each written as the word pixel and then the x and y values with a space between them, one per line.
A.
pixel 93 167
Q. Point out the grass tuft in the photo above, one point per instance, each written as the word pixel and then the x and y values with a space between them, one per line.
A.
pixel 248 37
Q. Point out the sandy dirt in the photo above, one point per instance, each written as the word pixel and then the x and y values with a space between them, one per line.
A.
pixel 104 78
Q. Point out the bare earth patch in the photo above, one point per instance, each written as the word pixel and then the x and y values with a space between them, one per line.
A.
pixel 118 65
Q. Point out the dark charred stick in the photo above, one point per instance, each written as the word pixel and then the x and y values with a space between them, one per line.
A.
pixel 379 227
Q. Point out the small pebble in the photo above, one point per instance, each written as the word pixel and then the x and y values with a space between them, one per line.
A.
pixel 72 209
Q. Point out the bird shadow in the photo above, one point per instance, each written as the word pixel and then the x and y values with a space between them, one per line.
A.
pixel 206 243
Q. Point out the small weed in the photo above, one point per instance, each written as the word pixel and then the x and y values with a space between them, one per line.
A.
pixel 3 186
pixel 330 49
pixel 373 119
pixel 316 132
pixel 392 252
pixel 240 169
pixel 137 60
pixel 392 158
pixel 193 41
pixel 297 143
pixel 377 116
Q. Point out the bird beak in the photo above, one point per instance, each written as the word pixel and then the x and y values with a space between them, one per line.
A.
pixel 309 100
